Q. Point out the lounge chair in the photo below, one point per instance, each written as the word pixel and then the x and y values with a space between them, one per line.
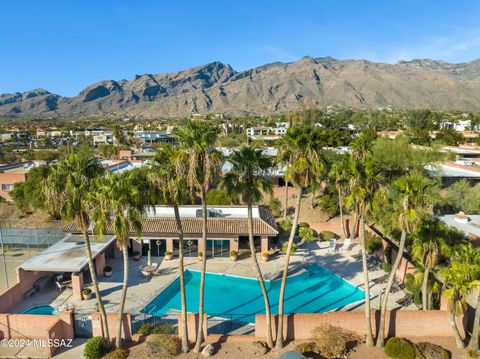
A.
pixel 346 244
pixel 332 245
pixel 406 300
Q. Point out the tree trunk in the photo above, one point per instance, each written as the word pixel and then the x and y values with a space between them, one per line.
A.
pixel 118 341
pixel 368 319
pixel 425 289
pixel 353 233
pixel 183 295
pixel 340 207
pixel 198 344
pixel 286 200
pixel 458 338
pixel 476 326
pixel 279 343
pixel 96 290
pixel 257 269
pixel 391 278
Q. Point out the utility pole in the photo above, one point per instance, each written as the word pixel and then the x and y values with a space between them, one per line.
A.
pixel 3 255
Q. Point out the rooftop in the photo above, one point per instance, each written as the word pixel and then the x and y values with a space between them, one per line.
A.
pixel 444 170
pixel 229 220
pixel 67 255
pixel 470 224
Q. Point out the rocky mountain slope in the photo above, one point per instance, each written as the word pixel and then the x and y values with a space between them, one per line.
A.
pixel 277 87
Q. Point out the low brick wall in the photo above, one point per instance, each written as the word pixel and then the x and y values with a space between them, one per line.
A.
pixel 112 319
pixel 399 323
pixel 13 295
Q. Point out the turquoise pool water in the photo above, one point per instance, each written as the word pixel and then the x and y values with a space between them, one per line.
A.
pixel 43 309
pixel 317 290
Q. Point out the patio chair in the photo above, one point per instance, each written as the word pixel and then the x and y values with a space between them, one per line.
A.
pixel 60 286
pixel 332 245
pixel 346 244
pixel 406 300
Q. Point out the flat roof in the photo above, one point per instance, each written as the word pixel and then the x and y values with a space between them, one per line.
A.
pixel 67 255
pixel 472 226
pixel 451 171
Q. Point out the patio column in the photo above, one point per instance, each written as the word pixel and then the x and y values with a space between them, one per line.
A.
pixel 234 244
pixel 201 247
pixel 100 264
pixel 77 285
pixel 169 242
pixel 265 244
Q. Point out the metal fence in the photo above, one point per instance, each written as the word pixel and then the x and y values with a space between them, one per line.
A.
pixel 231 324
pixel 141 319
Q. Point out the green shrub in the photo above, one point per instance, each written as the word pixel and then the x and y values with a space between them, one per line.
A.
pixel 303 225
pixel 326 235
pixel 388 254
pixel 147 329
pixel 373 244
pixel 286 224
pixel 95 348
pixel 294 247
pixel 387 267
pixel 117 354
pixel 399 348
pixel 426 350
pixel 331 342
pixel 233 253
pixel 306 233
pixel 163 345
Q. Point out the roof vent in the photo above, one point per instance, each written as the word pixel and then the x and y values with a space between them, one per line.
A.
pixel 462 218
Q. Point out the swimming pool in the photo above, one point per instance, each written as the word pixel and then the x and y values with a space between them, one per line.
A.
pixel 43 309
pixel 317 290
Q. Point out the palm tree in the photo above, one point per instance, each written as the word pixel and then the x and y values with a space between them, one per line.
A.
pixel 168 175
pixel 72 179
pixel 247 179
pixel 198 138
pixel 339 172
pixel 306 168
pixel 414 193
pixel 364 183
pixel 119 205
pixel 428 244
pixel 283 158
pixel 459 278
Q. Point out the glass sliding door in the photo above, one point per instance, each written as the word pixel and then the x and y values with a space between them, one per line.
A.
pixel 218 248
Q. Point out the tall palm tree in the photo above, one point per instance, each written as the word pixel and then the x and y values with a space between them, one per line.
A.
pixel 198 139
pixel 364 183
pixel 283 158
pixel 414 199
pixel 72 179
pixel 119 204
pixel 306 168
pixel 247 179
pixel 428 244
pixel 459 278
pixel 168 176
pixel 339 172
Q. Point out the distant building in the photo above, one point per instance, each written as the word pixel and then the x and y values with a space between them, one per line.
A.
pixel 13 174
pixel 267 133
pixel 468 224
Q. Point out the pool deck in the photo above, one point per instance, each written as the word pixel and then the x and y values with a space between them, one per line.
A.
pixel 141 291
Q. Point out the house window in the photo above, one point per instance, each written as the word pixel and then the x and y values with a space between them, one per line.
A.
pixel 7 187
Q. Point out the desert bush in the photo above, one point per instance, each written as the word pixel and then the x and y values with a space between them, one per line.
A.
pixel 306 347
pixel 117 354
pixel 426 350
pixel 95 348
pixel 331 342
pixel 163 345
pixel 147 329
pixel 399 348
pixel 286 224
pixel 326 235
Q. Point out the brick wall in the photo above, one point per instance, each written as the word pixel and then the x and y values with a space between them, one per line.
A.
pixel 13 295
pixel 400 323
pixel 112 319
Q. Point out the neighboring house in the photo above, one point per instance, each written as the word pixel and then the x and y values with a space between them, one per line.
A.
pixel 14 173
pixel 267 133
pixel 451 172
pixel 468 224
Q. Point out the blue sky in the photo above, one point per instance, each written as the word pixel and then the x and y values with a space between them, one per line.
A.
pixel 66 45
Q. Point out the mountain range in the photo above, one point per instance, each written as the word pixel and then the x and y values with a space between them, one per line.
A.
pixel 273 88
